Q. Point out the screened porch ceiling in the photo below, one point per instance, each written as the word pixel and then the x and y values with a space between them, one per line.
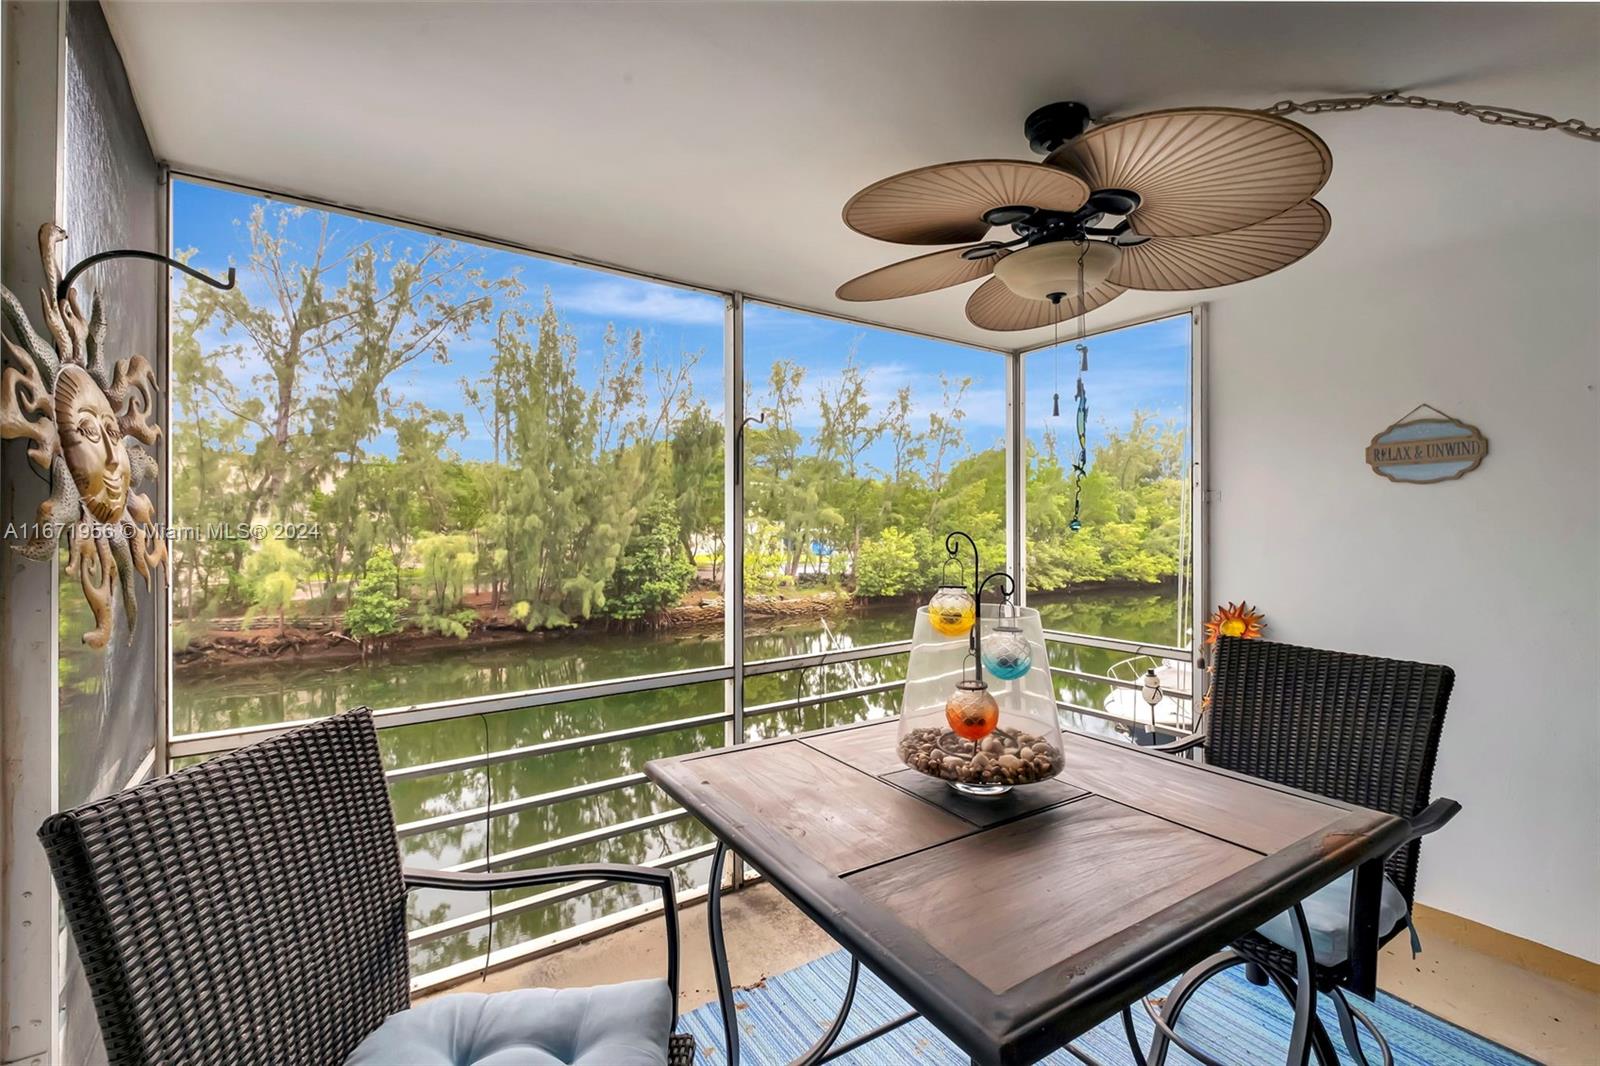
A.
pixel 714 144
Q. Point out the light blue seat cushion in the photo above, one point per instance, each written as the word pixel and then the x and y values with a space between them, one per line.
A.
pixel 1328 919
pixel 608 1025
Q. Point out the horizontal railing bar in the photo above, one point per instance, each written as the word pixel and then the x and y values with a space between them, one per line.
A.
pixel 1132 647
pixel 527 803
pixel 528 751
pixel 825 658
pixel 222 740
pixel 1062 705
pixel 610 785
pixel 464 922
pixel 823 697
pixel 551 942
pixel 476 815
pixel 1081 675
pixel 588 836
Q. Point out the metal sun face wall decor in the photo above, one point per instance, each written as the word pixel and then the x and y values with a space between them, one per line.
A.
pixel 87 420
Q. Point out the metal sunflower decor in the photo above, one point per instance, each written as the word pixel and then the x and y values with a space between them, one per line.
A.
pixel 78 409
pixel 1235 620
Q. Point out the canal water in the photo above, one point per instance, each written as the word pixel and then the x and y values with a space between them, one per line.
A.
pixel 275 691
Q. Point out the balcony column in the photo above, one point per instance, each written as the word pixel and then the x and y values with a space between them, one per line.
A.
pixel 32 97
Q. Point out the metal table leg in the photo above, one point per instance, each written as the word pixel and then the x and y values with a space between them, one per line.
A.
pixel 818 1052
pixel 870 1035
pixel 1307 1035
pixel 719 955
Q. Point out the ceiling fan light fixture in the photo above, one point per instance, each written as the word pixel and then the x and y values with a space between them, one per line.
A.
pixel 1045 269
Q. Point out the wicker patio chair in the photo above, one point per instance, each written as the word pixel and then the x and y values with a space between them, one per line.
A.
pixel 1354 728
pixel 252 909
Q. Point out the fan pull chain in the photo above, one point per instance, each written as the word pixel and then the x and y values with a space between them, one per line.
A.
pixel 1055 355
pixel 1081 467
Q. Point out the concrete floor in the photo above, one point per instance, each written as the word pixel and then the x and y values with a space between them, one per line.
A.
pixel 1552 1021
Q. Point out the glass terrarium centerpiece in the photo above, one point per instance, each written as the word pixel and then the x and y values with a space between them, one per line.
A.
pixel 978 710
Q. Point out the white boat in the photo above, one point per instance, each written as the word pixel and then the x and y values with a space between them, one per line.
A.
pixel 1170 713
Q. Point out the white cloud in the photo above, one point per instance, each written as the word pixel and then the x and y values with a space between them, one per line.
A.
pixel 630 301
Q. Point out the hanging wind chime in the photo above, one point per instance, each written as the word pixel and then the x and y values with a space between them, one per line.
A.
pixel 1080 468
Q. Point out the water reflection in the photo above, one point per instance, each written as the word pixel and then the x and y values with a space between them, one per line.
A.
pixel 269 692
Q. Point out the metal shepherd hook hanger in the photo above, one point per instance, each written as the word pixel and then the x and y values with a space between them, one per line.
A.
pixel 1008 590
pixel 65 286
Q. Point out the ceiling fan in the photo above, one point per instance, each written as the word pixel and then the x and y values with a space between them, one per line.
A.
pixel 1189 198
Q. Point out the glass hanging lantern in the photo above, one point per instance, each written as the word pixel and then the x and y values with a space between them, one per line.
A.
pixel 971 712
pixel 952 608
pixel 1006 652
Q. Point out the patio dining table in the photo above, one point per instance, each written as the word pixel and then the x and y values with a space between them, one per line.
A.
pixel 1016 923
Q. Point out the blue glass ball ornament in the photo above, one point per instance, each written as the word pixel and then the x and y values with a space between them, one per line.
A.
pixel 1006 653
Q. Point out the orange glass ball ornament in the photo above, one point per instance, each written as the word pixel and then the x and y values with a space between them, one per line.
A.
pixel 971 711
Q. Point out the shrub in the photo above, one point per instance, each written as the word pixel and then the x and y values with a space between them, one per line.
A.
pixel 456 624
pixel 448 563
pixel 654 572
pixel 273 573
pixel 374 608
pixel 887 565
pixel 764 556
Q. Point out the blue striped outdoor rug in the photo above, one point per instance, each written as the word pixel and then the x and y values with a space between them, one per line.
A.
pixel 1244 1024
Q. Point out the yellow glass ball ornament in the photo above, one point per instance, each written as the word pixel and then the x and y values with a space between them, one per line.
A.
pixel 951 611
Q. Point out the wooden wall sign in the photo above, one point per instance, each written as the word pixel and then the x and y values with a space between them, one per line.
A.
pixel 1429 449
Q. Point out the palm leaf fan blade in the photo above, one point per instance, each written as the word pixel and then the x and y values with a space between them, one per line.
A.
pixel 924 273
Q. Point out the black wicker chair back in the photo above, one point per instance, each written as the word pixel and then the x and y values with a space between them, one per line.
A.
pixel 250 909
pixel 1354 728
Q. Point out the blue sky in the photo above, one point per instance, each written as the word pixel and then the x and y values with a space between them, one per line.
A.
pixel 1144 366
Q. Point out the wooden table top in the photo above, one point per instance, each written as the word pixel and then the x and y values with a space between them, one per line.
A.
pixel 1016 923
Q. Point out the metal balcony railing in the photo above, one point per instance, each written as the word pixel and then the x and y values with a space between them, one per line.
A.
pixel 483 814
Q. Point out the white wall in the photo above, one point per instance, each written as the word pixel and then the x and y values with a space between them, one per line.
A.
pixel 1463 270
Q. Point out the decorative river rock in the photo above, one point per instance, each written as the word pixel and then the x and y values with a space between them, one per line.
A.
pixel 1004 757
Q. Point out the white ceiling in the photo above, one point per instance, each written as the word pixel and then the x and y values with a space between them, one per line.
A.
pixel 715 143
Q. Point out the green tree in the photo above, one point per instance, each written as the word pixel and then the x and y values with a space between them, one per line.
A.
pixel 782 482
pixel 764 556
pixel 273 573
pixel 374 608
pixel 908 449
pixel 1131 510
pixel 208 447
pixel 654 572
pixel 847 432
pixel 887 565
pixel 577 461
pixel 448 563
pixel 695 469
pixel 945 433
pixel 304 353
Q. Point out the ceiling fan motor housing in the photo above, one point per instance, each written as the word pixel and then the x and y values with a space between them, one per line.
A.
pixel 1051 269
pixel 1053 125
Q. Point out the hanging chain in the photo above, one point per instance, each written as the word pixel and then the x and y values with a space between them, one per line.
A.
pixel 1494 116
